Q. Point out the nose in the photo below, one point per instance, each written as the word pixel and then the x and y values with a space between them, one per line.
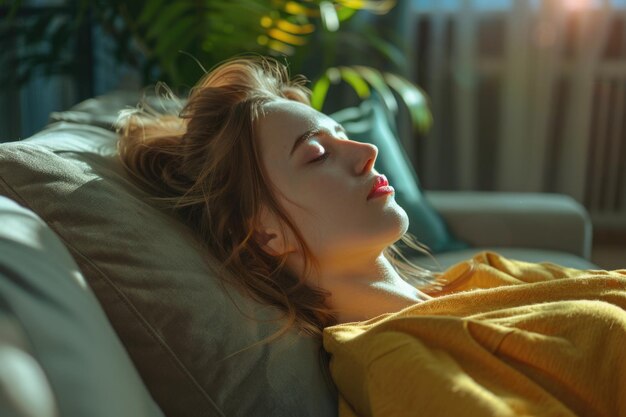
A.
pixel 365 157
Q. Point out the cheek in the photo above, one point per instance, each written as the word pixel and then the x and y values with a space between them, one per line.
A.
pixel 311 191
pixel 337 211
pixel 319 205
pixel 315 209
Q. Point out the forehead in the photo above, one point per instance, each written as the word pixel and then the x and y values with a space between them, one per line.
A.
pixel 283 121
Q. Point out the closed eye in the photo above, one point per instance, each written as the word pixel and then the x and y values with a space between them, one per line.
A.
pixel 321 158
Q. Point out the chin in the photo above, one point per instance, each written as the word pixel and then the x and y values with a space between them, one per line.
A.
pixel 403 221
pixel 398 227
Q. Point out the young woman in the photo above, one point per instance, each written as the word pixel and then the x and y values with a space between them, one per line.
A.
pixel 297 213
pixel 291 205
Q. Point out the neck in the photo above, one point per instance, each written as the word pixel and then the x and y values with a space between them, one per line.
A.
pixel 363 289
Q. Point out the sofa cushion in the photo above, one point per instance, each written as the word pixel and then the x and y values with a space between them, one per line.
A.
pixel 58 352
pixel 183 329
pixel 370 122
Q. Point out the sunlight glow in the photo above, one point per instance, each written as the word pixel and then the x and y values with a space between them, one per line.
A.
pixel 294 8
pixel 329 16
pixel 280 47
pixel 286 37
pixel 379 7
pixel 295 29
pixel 576 4
pixel 266 21
pixel 421 6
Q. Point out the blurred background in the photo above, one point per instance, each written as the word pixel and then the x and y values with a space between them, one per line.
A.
pixel 503 95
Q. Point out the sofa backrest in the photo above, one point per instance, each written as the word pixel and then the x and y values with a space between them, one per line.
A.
pixel 59 355
pixel 184 330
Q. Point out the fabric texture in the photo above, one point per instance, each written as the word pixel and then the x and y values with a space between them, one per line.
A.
pixel 442 261
pixel 370 122
pixel 59 355
pixel 186 332
pixel 502 337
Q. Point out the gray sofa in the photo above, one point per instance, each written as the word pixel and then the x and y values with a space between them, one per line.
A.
pixel 111 307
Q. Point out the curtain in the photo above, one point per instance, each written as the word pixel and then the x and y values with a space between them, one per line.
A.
pixel 527 96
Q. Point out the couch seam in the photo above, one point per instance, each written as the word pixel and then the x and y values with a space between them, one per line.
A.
pixel 147 326
pixel 14 195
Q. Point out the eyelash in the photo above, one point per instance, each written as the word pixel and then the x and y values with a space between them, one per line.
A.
pixel 321 158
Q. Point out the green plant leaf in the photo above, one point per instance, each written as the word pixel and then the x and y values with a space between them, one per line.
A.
pixel 344 13
pixel 168 18
pixel 13 10
pixel 37 27
pixel 377 81
pixel 62 36
pixel 149 12
pixel 415 100
pixel 214 30
pixel 168 45
pixel 356 81
pixel 319 91
pixel 387 49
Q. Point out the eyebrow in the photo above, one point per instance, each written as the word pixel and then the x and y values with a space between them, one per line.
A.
pixel 310 133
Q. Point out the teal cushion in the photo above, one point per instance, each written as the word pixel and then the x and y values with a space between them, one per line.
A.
pixel 371 122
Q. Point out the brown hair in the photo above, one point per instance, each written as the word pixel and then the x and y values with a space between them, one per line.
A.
pixel 205 163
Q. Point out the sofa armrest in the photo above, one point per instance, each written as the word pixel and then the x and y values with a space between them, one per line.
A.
pixel 532 220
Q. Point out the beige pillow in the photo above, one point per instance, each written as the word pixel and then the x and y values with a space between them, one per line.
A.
pixel 158 287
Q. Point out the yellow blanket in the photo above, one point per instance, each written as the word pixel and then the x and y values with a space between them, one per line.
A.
pixel 502 338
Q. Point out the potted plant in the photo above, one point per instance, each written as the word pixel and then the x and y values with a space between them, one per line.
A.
pixel 162 39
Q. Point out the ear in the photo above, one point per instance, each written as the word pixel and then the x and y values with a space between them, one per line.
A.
pixel 269 235
pixel 271 241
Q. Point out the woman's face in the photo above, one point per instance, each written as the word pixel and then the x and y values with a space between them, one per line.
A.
pixel 322 180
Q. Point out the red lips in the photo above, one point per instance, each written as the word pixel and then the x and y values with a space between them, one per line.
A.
pixel 380 187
